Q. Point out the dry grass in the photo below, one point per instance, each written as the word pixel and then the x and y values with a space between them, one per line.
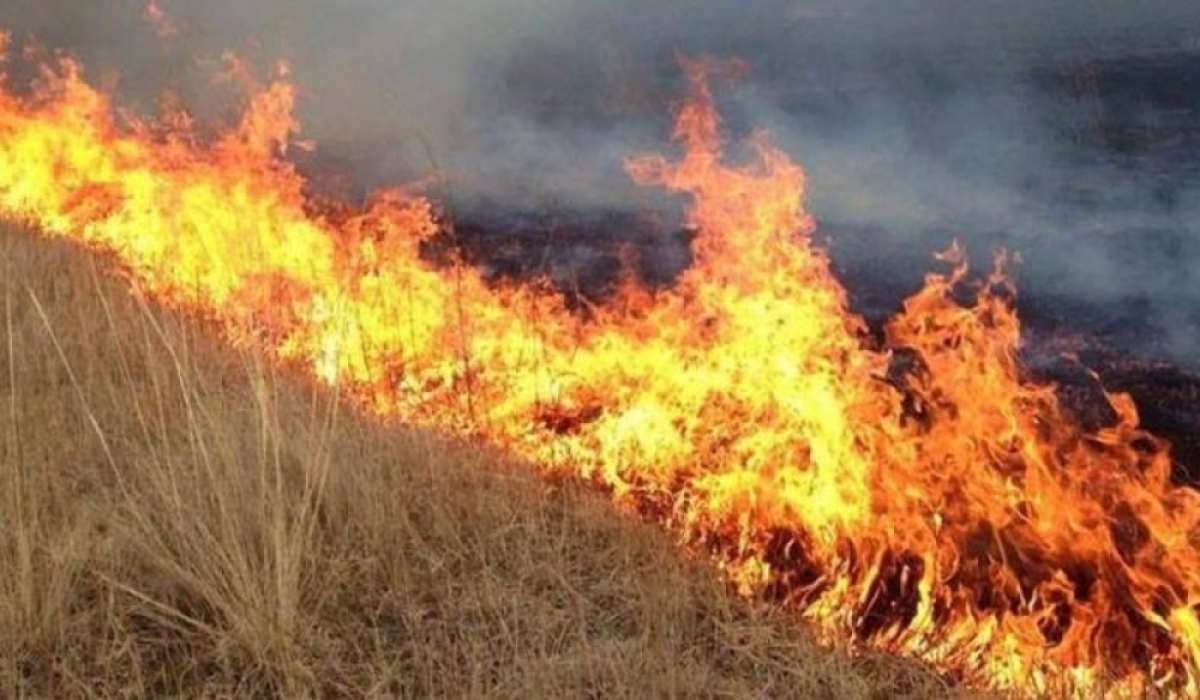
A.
pixel 178 521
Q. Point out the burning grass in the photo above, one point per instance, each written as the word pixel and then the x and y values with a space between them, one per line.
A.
pixel 919 493
pixel 178 520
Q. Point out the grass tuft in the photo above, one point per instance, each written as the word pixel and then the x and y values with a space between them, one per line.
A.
pixel 179 520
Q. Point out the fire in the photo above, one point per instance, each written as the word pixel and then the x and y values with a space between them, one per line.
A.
pixel 923 497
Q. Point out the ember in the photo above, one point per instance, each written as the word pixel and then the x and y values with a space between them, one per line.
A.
pixel 924 497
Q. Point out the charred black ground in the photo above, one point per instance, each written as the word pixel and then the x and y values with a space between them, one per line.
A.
pixel 1110 245
pixel 1065 339
pixel 1123 125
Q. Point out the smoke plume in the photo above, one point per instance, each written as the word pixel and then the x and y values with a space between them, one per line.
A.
pixel 1069 131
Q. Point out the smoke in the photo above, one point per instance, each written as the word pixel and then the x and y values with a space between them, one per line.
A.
pixel 1069 130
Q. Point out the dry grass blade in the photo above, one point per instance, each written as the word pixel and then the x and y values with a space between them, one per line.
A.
pixel 178 520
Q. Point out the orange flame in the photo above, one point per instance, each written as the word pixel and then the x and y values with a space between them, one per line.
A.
pixel 925 498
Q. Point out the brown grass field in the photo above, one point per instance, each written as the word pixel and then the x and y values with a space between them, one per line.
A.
pixel 179 519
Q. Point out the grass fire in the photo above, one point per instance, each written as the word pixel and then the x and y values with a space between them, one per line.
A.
pixel 915 492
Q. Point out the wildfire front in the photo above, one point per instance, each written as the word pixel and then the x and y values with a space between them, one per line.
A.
pixel 918 493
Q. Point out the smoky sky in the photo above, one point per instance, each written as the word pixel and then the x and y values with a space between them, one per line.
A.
pixel 1068 130
pixel 379 70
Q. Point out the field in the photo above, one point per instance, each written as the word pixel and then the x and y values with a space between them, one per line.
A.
pixel 180 519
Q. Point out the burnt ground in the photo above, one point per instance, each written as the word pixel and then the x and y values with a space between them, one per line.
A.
pixel 1118 182
pixel 1112 201
pixel 1065 337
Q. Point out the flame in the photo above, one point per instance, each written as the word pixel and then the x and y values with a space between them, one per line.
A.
pixel 923 497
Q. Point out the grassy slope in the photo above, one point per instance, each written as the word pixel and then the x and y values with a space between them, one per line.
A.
pixel 177 520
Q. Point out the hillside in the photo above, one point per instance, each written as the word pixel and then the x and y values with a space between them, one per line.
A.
pixel 177 519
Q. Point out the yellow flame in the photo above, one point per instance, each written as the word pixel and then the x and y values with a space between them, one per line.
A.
pixel 924 498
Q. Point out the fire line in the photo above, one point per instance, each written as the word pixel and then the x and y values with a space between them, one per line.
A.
pixel 924 498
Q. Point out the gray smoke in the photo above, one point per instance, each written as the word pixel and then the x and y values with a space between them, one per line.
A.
pixel 1068 130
